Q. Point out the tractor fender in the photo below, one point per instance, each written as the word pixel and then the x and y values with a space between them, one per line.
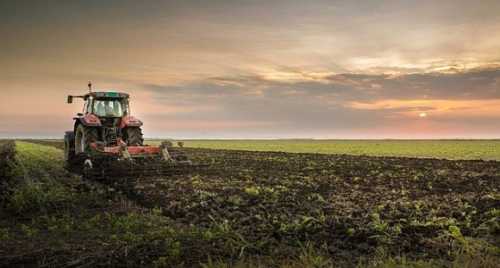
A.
pixel 130 121
pixel 88 120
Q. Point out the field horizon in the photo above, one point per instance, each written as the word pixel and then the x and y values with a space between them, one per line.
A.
pixel 451 149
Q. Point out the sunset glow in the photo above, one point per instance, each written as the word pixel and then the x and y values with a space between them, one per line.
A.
pixel 277 69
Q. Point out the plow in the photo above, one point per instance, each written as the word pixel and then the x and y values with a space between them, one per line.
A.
pixel 107 141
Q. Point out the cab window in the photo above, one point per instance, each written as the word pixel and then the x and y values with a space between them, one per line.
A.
pixel 108 108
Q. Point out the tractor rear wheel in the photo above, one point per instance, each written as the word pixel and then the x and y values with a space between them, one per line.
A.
pixel 84 136
pixel 133 136
pixel 69 146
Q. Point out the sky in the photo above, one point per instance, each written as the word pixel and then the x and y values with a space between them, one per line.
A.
pixel 257 69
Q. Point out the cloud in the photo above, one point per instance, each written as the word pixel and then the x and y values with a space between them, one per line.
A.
pixel 335 103
pixel 459 109
pixel 479 83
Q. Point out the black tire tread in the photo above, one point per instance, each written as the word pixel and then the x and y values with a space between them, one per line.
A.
pixel 134 136
pixel 69 146
pixel 89 133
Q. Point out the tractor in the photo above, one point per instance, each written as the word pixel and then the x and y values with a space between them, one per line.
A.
pixel 106 132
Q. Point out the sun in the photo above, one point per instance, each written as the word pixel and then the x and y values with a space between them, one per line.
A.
pixel 422 115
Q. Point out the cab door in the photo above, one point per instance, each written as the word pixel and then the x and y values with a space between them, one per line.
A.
pixel 87 108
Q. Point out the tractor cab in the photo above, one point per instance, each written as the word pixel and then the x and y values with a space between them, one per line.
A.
pixel 105 104
pixel 108 107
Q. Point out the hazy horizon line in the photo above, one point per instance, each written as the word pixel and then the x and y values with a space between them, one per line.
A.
pixel 277 138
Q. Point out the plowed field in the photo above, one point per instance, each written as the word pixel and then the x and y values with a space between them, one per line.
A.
pixel 347 208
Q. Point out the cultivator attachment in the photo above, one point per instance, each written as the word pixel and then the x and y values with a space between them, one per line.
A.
pixel 124 161
pixel 121 151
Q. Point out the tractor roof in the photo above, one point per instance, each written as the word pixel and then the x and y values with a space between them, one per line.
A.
pixel 109 94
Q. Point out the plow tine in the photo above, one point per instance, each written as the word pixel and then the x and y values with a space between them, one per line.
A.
pixel 136 170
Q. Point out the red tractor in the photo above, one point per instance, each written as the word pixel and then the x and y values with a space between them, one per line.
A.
pixel 106 130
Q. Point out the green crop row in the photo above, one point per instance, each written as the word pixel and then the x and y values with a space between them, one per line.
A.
pixel 445 149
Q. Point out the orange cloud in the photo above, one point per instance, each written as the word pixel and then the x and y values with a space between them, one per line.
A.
pixel 442 108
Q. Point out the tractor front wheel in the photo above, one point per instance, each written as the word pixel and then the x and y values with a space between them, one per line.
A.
pixel 133 136
pixel 84 136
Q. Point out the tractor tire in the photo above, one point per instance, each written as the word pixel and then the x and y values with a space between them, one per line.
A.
pixel 133 136
pixel 69 147
pixel 84 136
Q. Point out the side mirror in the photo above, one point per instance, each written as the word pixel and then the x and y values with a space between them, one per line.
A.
pixel 70 99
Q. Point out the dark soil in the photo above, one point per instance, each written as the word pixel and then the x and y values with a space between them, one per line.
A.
pixel 349 204
pixel 269 204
